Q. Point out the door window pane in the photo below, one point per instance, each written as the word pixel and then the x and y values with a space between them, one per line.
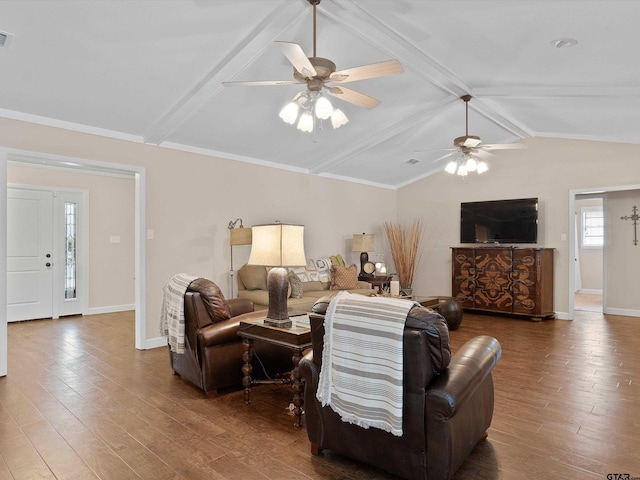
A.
pixel 70 211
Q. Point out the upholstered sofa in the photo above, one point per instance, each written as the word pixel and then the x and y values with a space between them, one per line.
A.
pixel 252 285
pixel 213 350
pixel 447 403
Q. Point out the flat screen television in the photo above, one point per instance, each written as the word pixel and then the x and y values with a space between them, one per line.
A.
pixel 499 221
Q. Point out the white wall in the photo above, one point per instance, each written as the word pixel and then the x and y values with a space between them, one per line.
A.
pixel 190 199
pixel 547 169
pixel 623 257
pixel 111 213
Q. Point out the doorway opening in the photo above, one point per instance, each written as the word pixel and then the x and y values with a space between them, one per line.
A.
pixel 590 221
pixel 87 166
pixel 614 261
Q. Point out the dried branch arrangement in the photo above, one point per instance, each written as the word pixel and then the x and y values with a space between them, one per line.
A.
pixel 404 240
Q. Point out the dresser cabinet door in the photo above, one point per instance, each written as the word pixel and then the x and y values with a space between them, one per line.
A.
pixel 526 266
pixel 493 279
pixel 463 280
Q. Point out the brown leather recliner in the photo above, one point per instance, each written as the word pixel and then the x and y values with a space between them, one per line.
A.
pixel 448 403
pixel 213 350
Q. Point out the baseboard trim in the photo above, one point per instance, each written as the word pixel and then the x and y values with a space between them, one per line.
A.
pixel 622 311
pixel 156 342
pixel 110 309
pixel 590 291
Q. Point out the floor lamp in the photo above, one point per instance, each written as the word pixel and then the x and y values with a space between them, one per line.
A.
pixel 278 246
pixel 237 236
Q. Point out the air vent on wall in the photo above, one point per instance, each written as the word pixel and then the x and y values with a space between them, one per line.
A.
pixel 5 39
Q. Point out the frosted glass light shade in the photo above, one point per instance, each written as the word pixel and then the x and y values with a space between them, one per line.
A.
pixel 482 167
pixel 277 245
pixel 338 118
pixel 305 123
pixel 451 167
pixel 323 108
pixel 289 113
pixel 471 164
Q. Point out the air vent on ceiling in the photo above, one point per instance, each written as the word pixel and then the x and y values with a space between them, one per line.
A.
pixel 5 39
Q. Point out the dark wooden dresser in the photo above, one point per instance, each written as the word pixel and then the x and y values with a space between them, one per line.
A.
pixel 510 280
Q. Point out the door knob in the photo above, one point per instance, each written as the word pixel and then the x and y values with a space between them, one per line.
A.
pixel 48 255
pixel 48 264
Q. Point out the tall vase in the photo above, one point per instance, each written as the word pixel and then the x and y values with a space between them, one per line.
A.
pixel 406 291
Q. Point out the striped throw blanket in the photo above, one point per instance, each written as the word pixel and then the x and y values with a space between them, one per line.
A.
pixel 362 369
pixel 172 314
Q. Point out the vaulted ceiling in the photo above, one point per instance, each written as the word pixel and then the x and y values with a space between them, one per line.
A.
pixel 152 71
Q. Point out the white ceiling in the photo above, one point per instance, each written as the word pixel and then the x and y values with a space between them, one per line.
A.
pixel 152 71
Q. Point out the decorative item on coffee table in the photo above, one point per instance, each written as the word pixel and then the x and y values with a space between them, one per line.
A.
pixel 404 241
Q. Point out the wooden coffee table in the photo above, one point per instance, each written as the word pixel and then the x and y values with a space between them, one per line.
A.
pixel 296 338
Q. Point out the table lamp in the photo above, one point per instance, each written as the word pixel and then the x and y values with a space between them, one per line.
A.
pixel 363 244
pixel 277 246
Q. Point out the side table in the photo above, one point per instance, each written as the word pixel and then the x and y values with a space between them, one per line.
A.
pixel 378 281
pixel 296 338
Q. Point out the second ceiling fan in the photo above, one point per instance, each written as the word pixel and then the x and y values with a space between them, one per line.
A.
pixel 471 152
pixel 320 76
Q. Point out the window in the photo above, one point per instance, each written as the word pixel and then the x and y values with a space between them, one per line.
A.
pixel 70 210
pixel 592 226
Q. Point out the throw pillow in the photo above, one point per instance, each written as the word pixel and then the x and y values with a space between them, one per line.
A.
pixel 253 277
pixel 337 260
pixel 295 284
pixel 344 278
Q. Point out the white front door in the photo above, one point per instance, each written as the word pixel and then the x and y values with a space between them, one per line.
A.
pixel 29 254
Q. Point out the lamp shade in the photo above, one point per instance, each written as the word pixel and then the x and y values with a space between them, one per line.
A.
pixel 363 242
pixel 240 236
pixel 277 245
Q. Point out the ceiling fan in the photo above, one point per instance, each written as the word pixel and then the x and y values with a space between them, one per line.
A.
pixel 320 75
pixel 470 150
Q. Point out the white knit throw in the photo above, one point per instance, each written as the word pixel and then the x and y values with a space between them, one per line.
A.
pixel 172 314
pixel 362 361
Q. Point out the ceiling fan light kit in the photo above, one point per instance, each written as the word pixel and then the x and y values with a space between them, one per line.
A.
pixel 314 105
pixel 316 72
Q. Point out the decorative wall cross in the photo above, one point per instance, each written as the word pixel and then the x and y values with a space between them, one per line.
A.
pixel 634 216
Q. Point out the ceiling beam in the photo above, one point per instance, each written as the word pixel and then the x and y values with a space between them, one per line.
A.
pixel 253 45
pixel 355 17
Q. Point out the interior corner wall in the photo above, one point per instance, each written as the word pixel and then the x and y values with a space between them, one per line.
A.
pixel 623 256
pixel 190 199
pixel 111 214
pixel 548 169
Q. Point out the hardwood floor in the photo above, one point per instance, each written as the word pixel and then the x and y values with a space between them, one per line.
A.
pixel 588 302
pixel 80 402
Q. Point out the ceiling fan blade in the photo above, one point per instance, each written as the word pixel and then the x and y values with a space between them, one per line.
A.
pixel 351 96
pixel 471 142
pixel 298 59
pixel 447 155
pixel 482 155
pixel 260 83
pixel 381 69
pixel 504 146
